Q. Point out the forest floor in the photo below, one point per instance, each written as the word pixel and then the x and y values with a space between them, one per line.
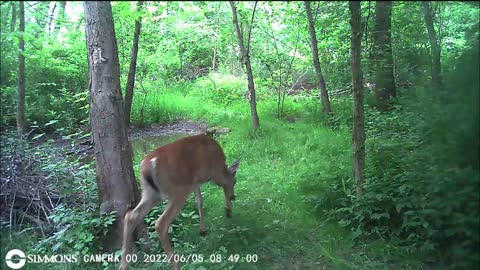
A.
pixel 75 146
pixel 276 221
pixel 177 127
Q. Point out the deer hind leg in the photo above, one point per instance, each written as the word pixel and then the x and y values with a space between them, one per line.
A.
pixel 199 199
pixel 175 204
pixel 131 221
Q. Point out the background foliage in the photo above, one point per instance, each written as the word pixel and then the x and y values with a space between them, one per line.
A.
pixel 420 207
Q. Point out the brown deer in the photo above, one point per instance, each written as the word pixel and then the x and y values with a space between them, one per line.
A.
pixel 174 171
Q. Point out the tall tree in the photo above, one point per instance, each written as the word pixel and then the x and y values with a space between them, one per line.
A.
pixel 246 60
pixel 113 155
pixel 21 73
pixel 216 38
pixel 316 60
pixel 358 134
pixel 133 66
pixel 382 43
pixel 63 6
pixel 50 25
pixel 61 18
pixel 14 16
pixel 435 47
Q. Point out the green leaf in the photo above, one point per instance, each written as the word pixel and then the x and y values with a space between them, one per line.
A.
pixel 37 136
pixel 377 216
pixel 51 122
pixel 57 246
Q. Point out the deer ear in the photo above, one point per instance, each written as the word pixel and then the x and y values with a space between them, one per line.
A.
pixel 234 167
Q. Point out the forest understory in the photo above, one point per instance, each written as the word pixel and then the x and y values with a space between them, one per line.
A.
pixel 356 127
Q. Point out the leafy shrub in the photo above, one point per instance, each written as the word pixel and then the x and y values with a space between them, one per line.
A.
pixel 61 110
pixel 8 104
pixel 76 224
pixel 56 83
pixel 220 89
pixel 422 184
pixel 78 231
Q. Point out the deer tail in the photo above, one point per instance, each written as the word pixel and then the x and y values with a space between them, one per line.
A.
pixel 148 175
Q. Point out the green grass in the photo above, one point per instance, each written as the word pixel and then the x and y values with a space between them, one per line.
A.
pixel 283 166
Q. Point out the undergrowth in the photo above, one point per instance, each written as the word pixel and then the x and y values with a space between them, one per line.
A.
pixel 296 207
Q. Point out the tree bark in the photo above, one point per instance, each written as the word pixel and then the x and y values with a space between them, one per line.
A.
pixel 385 88
pixel 316 61
pixel 358 134
pixel 21 74
pixel 246 61
pixel 14 17
pixel 50 25
pixel 113 155
pixel 216 38
pixel 437 81
pixel 133 67
pixel 61 18
pixel 63 6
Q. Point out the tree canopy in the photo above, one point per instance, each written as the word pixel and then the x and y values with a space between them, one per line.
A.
pixel 418 183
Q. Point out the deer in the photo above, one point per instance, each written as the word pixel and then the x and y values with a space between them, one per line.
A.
pixel 172 172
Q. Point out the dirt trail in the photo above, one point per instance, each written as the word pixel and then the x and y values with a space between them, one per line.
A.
pixel 184 126
pixel 82 146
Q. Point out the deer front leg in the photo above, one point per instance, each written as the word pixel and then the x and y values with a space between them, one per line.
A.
pixel 199 199
pixel 228 206
pixel 175 204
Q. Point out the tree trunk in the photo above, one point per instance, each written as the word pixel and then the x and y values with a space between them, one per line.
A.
pixel 246 60
pixel 385 88
pixel 61 15
pixel 133 67
pixel 21 74
pixel 63 5
pixel 435 47
pixel 369 43
pixel 316 60
pixel 215 47
pixel 113 155
pixel 50 26
pixel 14 17
pixel 358 134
